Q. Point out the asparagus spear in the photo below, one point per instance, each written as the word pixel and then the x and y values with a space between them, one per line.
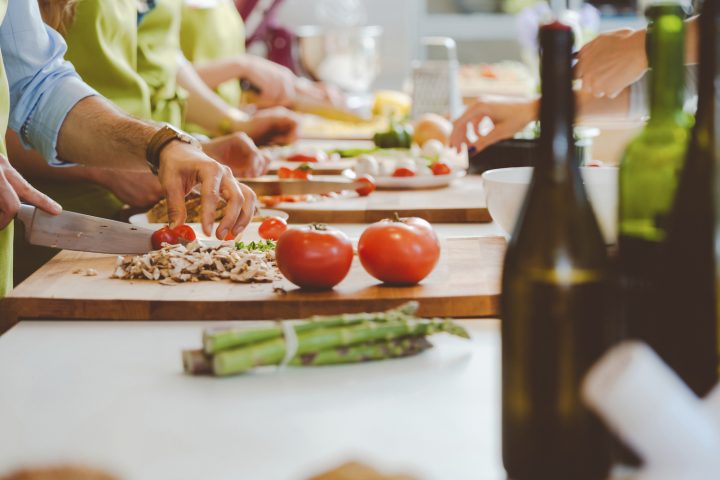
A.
pixel 197 362
pixel 271 352
pixel 223 339
pixel 364 352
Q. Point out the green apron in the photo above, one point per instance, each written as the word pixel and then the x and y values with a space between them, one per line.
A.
pixel 213 32
pixel 158 49
pixel 6 235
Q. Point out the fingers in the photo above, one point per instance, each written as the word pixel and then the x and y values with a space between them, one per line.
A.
pixel 27 193
pixel 211 177
pixel 230 190
pixel 175 194
pixel 9 202
pixel 248 210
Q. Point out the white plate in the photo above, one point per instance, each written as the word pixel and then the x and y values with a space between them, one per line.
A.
pixel 418 182
pixel 249 235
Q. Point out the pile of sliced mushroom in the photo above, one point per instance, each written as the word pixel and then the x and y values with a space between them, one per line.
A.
pixel 195 262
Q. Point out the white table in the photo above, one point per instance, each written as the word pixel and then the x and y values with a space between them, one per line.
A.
pixel 113 395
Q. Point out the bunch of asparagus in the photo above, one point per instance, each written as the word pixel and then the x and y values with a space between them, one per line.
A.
pixel 321 340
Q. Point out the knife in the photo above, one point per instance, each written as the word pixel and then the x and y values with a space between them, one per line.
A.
pixel 305 104
pixel 84 233
pixel 271 186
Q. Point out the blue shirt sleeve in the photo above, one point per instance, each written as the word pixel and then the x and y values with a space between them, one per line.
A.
pixel 43 86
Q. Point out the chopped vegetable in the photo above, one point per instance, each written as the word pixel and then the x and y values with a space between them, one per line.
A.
pixel 398 136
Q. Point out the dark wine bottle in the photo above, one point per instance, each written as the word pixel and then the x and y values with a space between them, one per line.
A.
pixel 649 173
pixel 686 331
pixel 554 303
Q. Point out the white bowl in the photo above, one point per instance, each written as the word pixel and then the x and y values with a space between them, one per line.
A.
pixel 505 190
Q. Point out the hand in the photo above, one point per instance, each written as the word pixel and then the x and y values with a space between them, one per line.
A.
pixel 182 166
pixel 611 62
pixel 319 91
pixel 137 189
pixel 508 115
pixel 238 152
pixel 271 126
pixel 14 189
pixel 276 83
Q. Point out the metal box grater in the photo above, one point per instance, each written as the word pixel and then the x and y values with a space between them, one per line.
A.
pixel 435 83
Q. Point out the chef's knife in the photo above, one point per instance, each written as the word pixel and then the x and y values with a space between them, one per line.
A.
pixel 74 231
pixel 271 186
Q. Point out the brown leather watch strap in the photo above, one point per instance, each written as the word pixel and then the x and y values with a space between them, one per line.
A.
pixel 160 140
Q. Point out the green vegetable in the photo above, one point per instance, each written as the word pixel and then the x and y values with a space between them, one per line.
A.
pixel 223 339
pixel 365 352
pixel 271 352
pixel 353 152
pixel 260 246
pixel 398 136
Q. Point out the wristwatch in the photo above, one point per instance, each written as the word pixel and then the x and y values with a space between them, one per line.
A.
pixel 162 139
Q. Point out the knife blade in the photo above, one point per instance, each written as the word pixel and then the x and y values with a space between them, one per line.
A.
pixel 84 233
pixel 271 186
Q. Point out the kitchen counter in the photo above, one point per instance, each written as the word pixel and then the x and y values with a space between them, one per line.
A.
pixel 113 395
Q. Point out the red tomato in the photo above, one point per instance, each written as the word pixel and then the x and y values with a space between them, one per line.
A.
pixel 270 200
pixel 303 172
pixel 184 233
pixel 401 251
pixel 271 228
pixel 440 168
pixel 229 236
pixel 284 172
pixel 366 190
pixel 314 257
pixel 164 235
pixel 403 172
pixel 299 157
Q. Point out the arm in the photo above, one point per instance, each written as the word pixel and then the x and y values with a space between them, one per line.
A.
pixel 509 116
pixel 205 107
pixel 615 60
pixel 54 111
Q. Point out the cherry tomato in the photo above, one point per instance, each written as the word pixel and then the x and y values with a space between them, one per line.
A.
pixel 299 157
pixel 229 236
pixel 366 190
pixel 303 172
pixel 184 233
pixel 440 168
pixel 271 228
pixel 270 200
pixel 314 257
pixel 164 235
pixel 401 252
pixel 284 172
pixel 403 172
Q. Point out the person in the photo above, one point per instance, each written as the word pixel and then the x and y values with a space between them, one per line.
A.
pixel 212 38
pixel 131 57
pixel 51 109
pixel 611 68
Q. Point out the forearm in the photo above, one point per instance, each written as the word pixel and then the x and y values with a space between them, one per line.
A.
pixel 32 165
pixel 590 106
pixel 205 107
pixel 217 72
pixel 96 134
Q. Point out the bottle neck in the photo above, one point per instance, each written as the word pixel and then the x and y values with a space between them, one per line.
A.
pixel 557 159
pixel 708 75
pixel 666 49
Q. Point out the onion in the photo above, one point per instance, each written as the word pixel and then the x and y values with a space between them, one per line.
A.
pixel 432 127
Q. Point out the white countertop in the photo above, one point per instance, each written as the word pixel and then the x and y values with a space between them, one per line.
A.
pixel 113 395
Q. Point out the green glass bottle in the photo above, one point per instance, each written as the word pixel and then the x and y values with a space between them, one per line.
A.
pixel 686 328
pixel 554 299
pixel 649 173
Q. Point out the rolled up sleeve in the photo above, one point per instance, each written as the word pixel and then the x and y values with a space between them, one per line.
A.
pixel 43 86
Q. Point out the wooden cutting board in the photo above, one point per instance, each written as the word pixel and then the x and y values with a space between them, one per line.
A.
pixel 461 202
pixel 466 283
